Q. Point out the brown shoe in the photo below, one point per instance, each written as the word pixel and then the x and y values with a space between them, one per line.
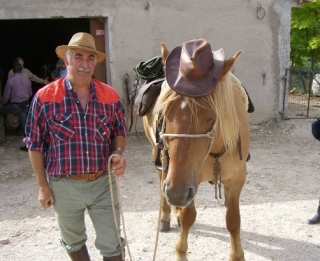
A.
pixel 80 255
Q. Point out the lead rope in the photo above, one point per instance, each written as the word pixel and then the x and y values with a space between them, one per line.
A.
pixel 164 162
pixel 120 209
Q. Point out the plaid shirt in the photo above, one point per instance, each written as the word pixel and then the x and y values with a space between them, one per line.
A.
pixel 74 141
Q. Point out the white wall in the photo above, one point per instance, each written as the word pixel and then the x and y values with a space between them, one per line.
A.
pixel 135 34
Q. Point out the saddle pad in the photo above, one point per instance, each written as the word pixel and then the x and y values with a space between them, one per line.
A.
pixel 240 89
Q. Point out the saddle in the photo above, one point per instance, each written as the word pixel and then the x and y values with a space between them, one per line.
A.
pixel 143 96
pixel 146 96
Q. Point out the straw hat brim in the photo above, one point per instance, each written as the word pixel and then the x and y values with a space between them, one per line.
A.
pixel 61 51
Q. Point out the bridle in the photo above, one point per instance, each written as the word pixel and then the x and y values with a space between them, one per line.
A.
pixel 216 157
pixel 210 134
pixel 160 136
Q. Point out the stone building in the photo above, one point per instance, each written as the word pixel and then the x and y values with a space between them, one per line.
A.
pixel 130 31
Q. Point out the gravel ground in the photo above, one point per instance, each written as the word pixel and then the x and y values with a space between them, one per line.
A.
pixel 280 194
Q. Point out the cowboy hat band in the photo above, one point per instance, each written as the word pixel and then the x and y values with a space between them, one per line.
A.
pixel 82 41
pixel 193 69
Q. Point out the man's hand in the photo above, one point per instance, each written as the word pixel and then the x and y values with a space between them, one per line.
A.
pixel 46 197
pixel 46 81
pixel 119 164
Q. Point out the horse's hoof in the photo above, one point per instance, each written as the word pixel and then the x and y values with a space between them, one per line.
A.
pixel 164 226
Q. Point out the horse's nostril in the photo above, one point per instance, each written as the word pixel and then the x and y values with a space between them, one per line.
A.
pixel 191 194
pixel 178 197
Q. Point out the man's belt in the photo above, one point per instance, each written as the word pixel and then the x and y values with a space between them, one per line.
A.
pixel 86 176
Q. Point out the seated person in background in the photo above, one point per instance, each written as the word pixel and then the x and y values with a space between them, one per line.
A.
pixel 16 96
pixel 63 71
pixel 26 73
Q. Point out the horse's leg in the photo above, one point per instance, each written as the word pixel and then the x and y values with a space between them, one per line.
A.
pixel 232 195
pixel 165 210
pixel 186 217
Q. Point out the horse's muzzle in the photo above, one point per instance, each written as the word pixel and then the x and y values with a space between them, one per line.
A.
pixel 178 197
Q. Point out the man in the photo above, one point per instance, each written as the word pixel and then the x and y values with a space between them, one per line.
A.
pixel 315 130
pixel 74 125
pixel 16 95
pixel 27 73
pixel 60 65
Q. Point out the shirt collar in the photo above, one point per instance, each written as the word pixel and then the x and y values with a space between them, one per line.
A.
pixel 69 87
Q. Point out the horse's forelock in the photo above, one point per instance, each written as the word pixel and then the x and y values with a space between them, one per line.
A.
pixel 221 102
pixel 168 96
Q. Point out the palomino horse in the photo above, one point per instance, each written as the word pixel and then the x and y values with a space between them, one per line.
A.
pixel 205 135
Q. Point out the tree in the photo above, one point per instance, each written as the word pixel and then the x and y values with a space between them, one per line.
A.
pixel 305 35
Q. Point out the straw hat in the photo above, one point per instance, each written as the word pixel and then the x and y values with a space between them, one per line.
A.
pixel 82 41
pixel 193 69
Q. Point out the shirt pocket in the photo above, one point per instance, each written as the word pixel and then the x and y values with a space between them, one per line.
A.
pixel 103 128
pixel 62 126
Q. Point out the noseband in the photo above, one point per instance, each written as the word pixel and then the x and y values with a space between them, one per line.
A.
pixel 209 134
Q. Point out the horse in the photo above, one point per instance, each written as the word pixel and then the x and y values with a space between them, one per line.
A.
pixel 204 137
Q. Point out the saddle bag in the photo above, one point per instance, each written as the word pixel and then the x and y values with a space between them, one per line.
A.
pixel 146 96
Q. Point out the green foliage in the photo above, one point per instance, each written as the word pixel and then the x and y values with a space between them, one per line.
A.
pixel 305 36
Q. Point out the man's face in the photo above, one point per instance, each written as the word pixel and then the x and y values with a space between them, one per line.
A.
pixel 21 62
pixel 81 64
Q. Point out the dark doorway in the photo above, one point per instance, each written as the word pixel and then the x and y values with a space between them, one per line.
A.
pixel 35 41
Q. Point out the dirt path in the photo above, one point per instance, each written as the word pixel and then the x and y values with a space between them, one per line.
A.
pixel 280 194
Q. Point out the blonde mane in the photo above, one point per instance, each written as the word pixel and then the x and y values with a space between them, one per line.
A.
pixel 221 101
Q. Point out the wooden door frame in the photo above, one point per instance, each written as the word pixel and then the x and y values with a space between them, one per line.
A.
pixel 99 31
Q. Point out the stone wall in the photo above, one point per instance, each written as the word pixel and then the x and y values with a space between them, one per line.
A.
pixel 135 29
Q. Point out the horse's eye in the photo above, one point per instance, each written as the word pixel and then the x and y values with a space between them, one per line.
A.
pixel 209 119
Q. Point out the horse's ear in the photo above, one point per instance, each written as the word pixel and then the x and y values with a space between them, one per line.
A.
pixel 228 64
pixel 164 52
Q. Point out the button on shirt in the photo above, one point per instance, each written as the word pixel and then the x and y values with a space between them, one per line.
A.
pixel 17 89
pixel 74 141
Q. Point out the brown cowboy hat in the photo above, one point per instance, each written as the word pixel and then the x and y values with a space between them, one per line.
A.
pixel 193 69
pixel 83 41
